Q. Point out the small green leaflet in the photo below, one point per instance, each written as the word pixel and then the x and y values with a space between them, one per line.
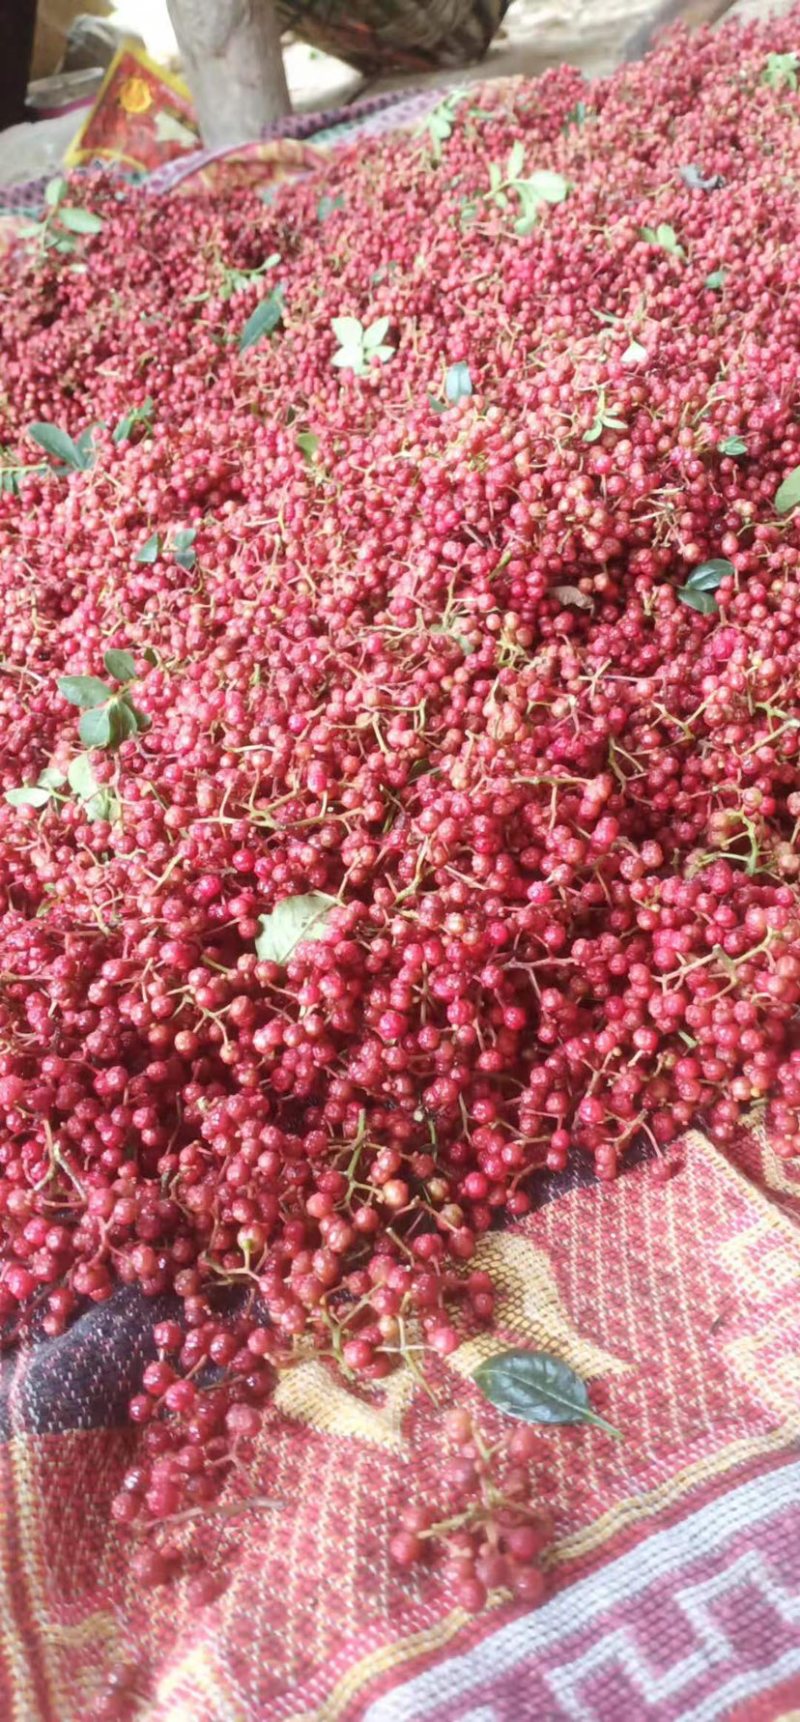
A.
pixel 781 70
pixel 142 415
pixel 294 921
pixel 263 321
pixel 41 792
pixel 120 665
pixel 716 280
pixel 577 116
pixel 84 691
pixel 327 206
pixel 440 121
pixel 634 353
pixel 95 727
pixel 702 583
pixel 60 445
pixel 150 549
pixel 308 444
pixel 787 494
pixel 707 576
pixel 183 547
pixel 516 161
pixel 538 1388
pixel 458 382
pixel 541 188
pixel 733 446
pixel 28 795
pixel 705 602
pixel 54 191
pixel 360 345
pixel 82 780
pixel 79 220
pixel 665 236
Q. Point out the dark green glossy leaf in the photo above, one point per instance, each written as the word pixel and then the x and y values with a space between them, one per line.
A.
pixel 705 602
pixel 538 1388
pixel 84 691
pixel 707 576
pixel 295 921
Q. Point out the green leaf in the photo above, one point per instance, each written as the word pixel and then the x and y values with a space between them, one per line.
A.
pixel 634 353
pixel 79 220
pixel 780 70
pixel 665 236
pixel 149 551
pixel 516 160
pixel 308 444
pixel 54 191
pixel 594 432
pixel 383 353
pixel 458 382
pixel 263 321
pixel 538 1388
pixel 495 175
pixel 373 336
pixel 705 602
pixel 137 416
pixel 707 576
pixel 120 665
pixel 81 778
pixel 104 805
pixel 124 722
pixel 29 795
pixel 59 444
pixel 95 728
pixel 350 358
pixel 84 691
pixel 295 920
pixel 577 116
pixel 327 205
pixel 787 494
pixel 51 778
pixel 716 280
pixel 183 547
pixel 438 406
pixel 734 446
pixel 547 187
pixel 349 331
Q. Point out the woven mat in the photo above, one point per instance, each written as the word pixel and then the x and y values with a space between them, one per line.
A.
pixel 675 1573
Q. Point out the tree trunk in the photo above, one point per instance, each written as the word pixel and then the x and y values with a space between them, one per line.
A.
pixel 17 20
pixel 231 52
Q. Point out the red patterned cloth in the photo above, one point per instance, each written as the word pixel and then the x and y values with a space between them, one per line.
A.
pixel 675 1573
